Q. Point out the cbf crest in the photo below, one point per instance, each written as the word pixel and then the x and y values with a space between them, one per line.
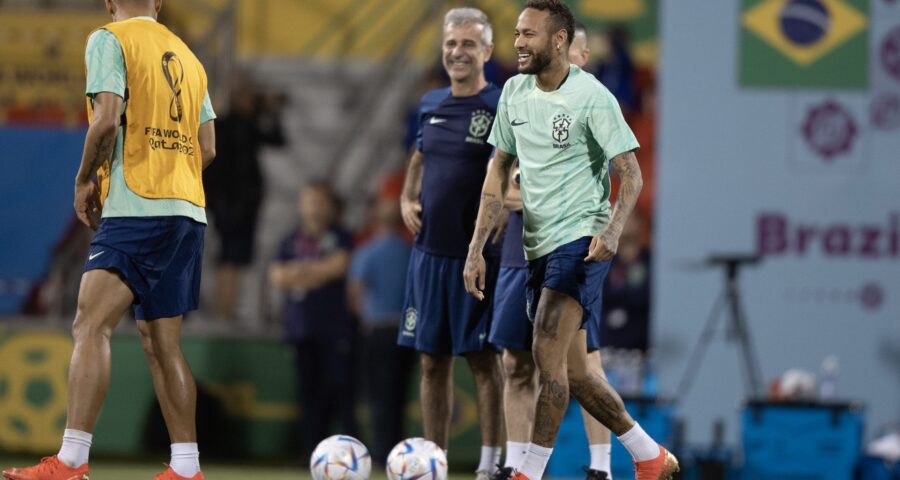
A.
pixel 479 126
pixel 561 124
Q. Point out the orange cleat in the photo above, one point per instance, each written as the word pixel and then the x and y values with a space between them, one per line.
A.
pixel 170 474
pixel 50 468
pixel 659 468
pixel 520 476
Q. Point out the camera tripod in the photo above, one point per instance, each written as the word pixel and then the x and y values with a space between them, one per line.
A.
pixel 737 326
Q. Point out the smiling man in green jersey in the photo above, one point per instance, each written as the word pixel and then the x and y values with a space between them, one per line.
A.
pixel 566 130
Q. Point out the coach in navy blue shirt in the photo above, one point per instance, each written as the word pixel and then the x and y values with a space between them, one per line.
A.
pixel 439 204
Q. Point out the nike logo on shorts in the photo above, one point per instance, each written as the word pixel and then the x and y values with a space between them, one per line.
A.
pixel 436 120
pixel 95 255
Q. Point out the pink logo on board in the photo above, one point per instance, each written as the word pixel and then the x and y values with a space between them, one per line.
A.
pixel 871 296
pixel 885 111
pixel 829 130
pixel 890 53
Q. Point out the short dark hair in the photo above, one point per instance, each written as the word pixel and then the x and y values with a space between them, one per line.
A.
pixel 579 27
pixel 561 17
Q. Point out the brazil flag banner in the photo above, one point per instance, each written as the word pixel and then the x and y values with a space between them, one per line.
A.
pixel 804 43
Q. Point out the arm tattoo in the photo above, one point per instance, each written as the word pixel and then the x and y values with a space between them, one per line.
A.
pixel 492 211
pixel 506 164
pixel 630 172
pixel 102 150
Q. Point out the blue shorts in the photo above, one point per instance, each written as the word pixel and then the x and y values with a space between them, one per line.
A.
pixel 511 328
pixel 158 257
pixel 564 270
pixel 439 316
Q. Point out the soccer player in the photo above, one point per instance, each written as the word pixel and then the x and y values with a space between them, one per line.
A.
pixel 512 331
pixel 566 129
pixel 149 138
pixel 439 204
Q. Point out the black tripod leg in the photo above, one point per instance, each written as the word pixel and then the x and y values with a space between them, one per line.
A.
pixel 700 348
pixel 739 328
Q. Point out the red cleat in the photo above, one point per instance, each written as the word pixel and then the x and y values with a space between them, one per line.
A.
pixel 520 476
pixel 50 468
pixel 170 474
pixel 659 468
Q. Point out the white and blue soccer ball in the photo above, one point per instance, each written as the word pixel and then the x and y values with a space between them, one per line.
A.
pixel 340 457
pixel 417 459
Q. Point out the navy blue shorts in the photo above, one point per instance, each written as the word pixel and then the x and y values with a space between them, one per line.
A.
pixel 564 270
pixel 510 327
pixel 440 317
pixel 159 257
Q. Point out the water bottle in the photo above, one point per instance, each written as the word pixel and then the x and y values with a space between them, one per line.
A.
pixel 828 379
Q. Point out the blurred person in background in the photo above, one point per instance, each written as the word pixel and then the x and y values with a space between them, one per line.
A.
pixel 311 270
pixel 439 203
pixel 376 287
pixel 148 249
pixel 234 186
pixel 626 293
pixel 616 70
pixel 566 130
pixel 511 330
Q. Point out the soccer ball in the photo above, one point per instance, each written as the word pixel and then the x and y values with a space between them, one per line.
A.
pixel 417 459
pixel 340 457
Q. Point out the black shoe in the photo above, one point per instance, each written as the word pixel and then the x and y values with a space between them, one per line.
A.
pixel 595 474
pixel 503 473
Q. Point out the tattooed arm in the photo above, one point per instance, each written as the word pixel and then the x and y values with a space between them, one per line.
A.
pixel 489 211
pixel 98 147
pixel 605 244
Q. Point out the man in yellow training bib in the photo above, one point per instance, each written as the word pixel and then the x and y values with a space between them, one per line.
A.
pixel 150 137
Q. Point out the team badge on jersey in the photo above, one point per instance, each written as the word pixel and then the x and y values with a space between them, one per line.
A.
pixel 409 322
pixel 562 122
pixel 479 126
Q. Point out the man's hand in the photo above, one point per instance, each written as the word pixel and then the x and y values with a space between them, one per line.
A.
pixel 604 245
pixel 412 214
pixel 87 203
pixel 474 273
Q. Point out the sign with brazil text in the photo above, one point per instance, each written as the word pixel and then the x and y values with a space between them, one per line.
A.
pixel 804 43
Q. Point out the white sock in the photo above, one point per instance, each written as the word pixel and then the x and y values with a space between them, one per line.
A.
pixel 515 453
pixel 76 447
pixel 535 461
pixel 600 458
pixel 639 444
pixel 490 458
pixel 185 459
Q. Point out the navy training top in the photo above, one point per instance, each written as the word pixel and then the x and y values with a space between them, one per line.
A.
pixel 452 137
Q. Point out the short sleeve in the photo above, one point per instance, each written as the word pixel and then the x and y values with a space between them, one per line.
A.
pixel 608 127
pixel 502 137
pixel 419 116
pixel 358 265
pixel 105 64
pixel 206 110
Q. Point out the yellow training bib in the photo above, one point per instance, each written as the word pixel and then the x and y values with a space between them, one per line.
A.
pixel 166 85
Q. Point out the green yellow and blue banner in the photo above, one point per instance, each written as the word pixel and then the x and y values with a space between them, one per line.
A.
pixel 804 43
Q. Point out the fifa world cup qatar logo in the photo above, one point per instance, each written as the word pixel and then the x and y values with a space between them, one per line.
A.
pixel 829 130
pixel 173 70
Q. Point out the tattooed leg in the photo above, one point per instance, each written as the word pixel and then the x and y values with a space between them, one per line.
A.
pixel 556 323
pixel 593 392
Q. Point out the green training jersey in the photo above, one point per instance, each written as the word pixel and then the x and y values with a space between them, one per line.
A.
pixel 564 140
